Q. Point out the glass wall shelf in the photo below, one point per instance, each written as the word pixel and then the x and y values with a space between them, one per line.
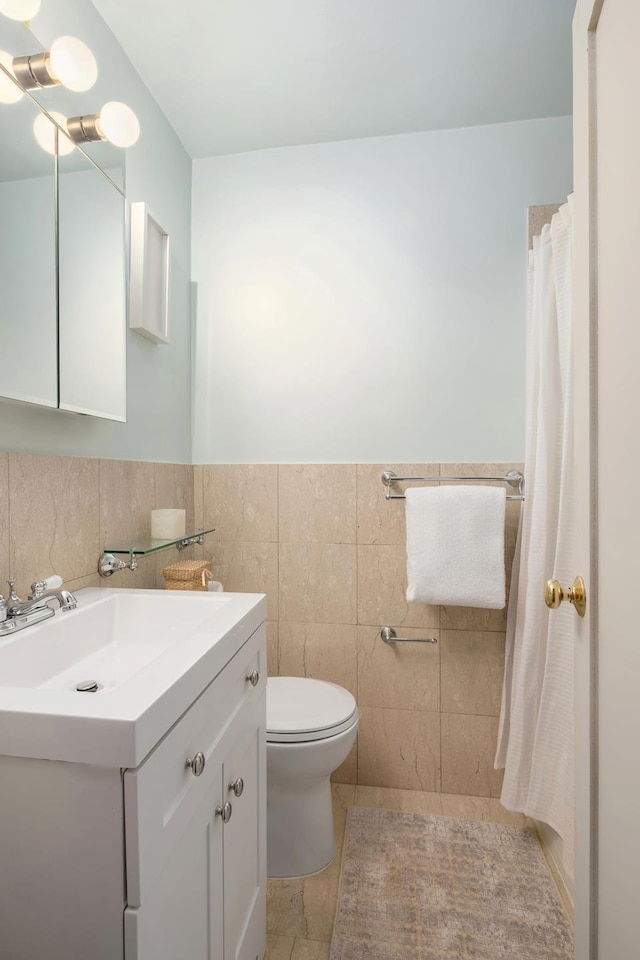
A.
pixel 143 547
pixel 109 562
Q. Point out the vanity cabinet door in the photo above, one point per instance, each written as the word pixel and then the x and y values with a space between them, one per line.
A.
pixel 196 879
pixel 163 794
pixel 245 847
pixel 182 914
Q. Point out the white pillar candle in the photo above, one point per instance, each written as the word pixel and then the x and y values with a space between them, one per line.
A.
pixel 168 524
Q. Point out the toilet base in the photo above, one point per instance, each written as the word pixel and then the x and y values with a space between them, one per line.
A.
pixel 300 836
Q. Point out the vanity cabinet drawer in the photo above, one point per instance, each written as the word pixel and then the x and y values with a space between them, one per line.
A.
pixel 164 794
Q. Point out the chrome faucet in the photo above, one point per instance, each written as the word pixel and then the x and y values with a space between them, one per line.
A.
pixel 16 614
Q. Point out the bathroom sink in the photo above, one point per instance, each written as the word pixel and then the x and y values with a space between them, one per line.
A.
pixel 144 653
pixel 110 639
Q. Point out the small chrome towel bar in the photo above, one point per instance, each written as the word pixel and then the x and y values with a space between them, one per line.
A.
pixel 389 635
pixel 514 478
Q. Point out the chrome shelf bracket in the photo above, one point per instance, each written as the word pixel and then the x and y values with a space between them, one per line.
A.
pixel 108 564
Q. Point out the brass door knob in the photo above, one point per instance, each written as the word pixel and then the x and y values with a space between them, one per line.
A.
pixel 554 594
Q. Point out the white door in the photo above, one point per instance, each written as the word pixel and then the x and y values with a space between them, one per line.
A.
pixel 607 398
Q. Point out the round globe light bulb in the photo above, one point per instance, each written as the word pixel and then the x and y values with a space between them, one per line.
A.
pixel 45 133
pixel 10 92
pixel 19 9
pixel 119 124
pixel 73 64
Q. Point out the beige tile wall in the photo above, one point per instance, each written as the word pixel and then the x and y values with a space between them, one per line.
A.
pixel 329 551
pixel 57 514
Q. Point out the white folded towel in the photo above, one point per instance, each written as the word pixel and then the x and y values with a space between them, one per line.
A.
pixel 455 546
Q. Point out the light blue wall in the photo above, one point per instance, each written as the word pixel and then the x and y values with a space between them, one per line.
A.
pixel 158 171
pixel 359 300
pixel 366 300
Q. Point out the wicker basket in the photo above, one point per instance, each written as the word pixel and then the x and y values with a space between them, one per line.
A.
pixel 187 575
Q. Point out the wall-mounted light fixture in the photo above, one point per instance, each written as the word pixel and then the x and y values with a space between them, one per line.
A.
pixel 19 9
pixel 69 63
pixel 116 123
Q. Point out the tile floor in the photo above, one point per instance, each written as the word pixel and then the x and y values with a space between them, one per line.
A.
pixel 300 913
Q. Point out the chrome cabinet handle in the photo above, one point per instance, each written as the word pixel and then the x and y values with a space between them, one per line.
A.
pixel 196 764
pixel 225 812
pixel 254 678
pixel 237 786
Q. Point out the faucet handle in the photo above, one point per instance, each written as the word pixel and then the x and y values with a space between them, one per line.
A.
pixel 54 582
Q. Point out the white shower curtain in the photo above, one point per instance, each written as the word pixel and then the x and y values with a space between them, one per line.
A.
pixel 536 737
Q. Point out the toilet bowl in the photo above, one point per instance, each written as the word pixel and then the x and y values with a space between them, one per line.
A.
pixel 311 727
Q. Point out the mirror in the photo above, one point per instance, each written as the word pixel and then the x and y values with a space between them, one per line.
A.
pixel 62 252
pixel 92 290
pixel 27 260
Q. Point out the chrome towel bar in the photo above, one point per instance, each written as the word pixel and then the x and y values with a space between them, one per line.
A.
pixel 389 635
pixel 514 478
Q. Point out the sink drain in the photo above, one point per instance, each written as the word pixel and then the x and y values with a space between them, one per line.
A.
pixel 88 686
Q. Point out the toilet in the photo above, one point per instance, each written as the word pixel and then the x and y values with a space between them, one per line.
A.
pixel 311 727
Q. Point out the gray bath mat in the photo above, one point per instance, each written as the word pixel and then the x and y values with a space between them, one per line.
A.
pixel 415 887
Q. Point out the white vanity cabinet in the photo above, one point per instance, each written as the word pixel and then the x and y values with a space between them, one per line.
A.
pixel 196 851
pixel 165 860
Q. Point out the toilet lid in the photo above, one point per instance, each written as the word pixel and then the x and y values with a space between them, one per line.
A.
pixel 302 709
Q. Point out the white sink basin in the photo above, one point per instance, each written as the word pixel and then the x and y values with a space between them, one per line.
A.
pixel 109 640
pixel 151 652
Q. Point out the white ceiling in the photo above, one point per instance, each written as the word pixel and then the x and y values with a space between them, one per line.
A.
pixel 236 75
